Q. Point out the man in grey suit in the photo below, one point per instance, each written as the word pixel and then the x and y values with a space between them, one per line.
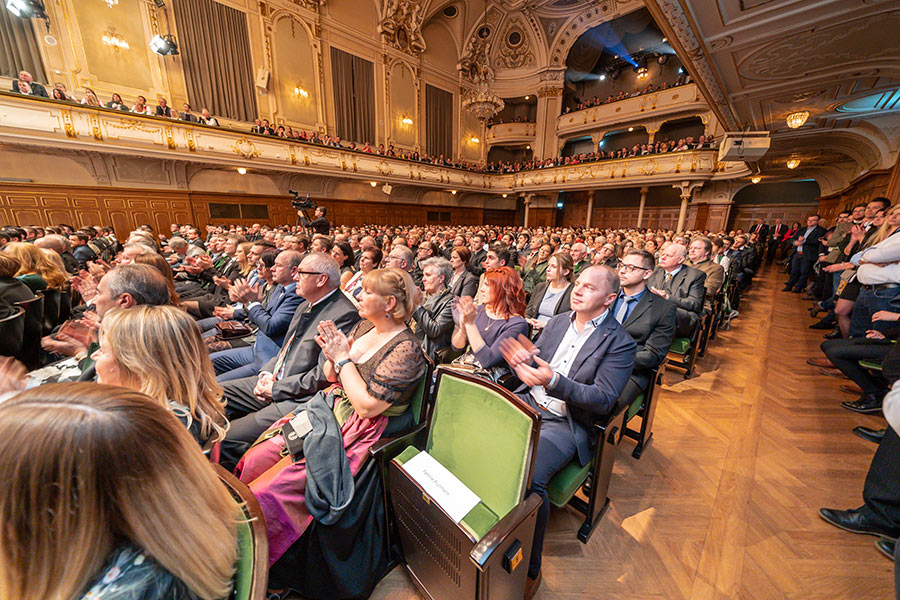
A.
pixel 648 318
pixel 683 285
pixel 254 403
pixel 574 375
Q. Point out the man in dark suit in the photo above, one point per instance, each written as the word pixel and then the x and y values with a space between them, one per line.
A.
pixel 80 249
pixel 272 320
pixel 649 319
pixel 760 229
pixel 806 242
pixel 476 247
pixel 774 240
pixel 320 224
pixel 36 88
pixel 683 285
pixel 254 403
pixel 575 374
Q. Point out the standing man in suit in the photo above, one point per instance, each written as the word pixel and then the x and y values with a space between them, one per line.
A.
pixel 806 242
pixel 574 374
pixel 683 285
pixel 648 318
pixel 320 224
pixel 272 320
pixel 774 240
pixel 699 257
pixel 254 403
pixel 760 229
pixel 36 88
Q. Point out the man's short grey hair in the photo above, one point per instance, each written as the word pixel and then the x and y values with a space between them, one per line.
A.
pixel 142 282
pixel 54 242
pixel 323 263
pixel 143 248
pixel 680 249
pixel 610 277
pixel 406 254
pixel 442 265
pixel 178 242
pixel 293 258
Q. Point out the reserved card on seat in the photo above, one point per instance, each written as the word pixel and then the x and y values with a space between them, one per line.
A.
pixel 450 493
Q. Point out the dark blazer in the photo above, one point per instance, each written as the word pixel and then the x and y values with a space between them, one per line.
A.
pixel 320 225
pixel 434 322
pixel 761 230
pixel 36 88
pixel 778 232
pixel 274 320
pixel 163 112
pixel 686 289
pixel 811 246
pixel 83 254
pixel 12 290
pixel 474 265
pixel 597 377
pixel 465 285
pixel 303 375
pixel 70 262
pixel 651 325
pixel 534 304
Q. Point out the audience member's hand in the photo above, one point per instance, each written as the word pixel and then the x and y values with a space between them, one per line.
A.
pixel 63 344
pixel 90 319
pixel 222 282
pixel 457 315
pixel 535 324
pixel 263 389
pixel 857 233
pixel 244 293
pixel 885 315
pixel 98 268
pixel 467 309
pixel 517 351
pixel 84 286
pixel 874 334
pixel 659 292
pixel 13 375
pixel 837 267
pixel 223 312
pixel 335 345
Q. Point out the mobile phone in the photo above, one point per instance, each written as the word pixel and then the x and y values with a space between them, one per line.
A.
pixel 294 432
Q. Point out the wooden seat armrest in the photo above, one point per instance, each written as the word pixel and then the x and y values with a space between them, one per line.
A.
pixel 393 446
pixel 497 536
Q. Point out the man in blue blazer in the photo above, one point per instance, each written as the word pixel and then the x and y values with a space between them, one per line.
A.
pixel 272 321
pixel 574 375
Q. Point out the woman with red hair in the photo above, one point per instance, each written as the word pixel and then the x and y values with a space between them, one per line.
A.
pixel 500 316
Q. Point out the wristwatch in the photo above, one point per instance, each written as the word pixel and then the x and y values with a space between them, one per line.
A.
pixel 339 364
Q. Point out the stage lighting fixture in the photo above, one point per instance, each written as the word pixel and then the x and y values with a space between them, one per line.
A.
pixel 27 9
pixel 602 76
pixel 164 45
pixel 662 59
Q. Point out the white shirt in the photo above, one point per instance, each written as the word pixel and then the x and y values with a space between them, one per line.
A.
pixel 562 360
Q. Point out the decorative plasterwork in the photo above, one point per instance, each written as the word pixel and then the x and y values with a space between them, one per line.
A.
pixel 401 25
pixel 515 55
pixel 479 43
pixel 671 18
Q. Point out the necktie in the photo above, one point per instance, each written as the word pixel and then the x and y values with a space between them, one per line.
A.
pixel 622 313
pixel 668 277
pixel 282 354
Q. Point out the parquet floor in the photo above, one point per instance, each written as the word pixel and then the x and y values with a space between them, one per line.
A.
pixel 723 502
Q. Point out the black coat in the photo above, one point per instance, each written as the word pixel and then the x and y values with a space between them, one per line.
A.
pixel 811 245
pixel 465 285
pixel 534 304
pixel 434 323
pixel 12 290
pixel 686 289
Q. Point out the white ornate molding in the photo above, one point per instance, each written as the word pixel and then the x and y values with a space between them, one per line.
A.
pixel 401 25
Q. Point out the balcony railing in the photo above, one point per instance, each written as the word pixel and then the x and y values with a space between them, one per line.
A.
pixel 61 126
pixel 674 102
pixel 510 133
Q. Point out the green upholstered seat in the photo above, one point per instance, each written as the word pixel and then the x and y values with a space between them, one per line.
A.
pixel 566 482
pixel 415 403
pixel 243 576
pixel 680 345
pixel 870 364
pixel 634 408
pixel 485 441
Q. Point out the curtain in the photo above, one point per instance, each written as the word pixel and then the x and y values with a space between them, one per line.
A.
pixel 215 52
pixel 354 96
pixel 438 121
pixel 19 47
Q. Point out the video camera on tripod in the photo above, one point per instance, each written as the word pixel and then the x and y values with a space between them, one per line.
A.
pixel 303 206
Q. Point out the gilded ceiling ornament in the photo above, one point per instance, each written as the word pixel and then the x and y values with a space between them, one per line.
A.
pixel 401 26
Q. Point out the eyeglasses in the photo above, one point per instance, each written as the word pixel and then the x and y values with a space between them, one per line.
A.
pixel 299 272
pixel 631 268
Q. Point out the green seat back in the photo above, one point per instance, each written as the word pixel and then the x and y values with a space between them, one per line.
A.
pixel 680 345
pixel 870 364
pixel 243 576
pixel 634 408
pixel 483 439
pixel 418 397
pixel 566 482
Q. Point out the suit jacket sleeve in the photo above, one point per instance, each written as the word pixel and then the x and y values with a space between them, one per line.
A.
pixel 276 324
pixel 434 325
pixel 470 285
pixel 693 302
pixel 714 280
pixel 600 395
pixel 654 350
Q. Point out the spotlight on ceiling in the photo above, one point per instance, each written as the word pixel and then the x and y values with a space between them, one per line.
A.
pixel 453 192
pixel 797 119
pixel 793 163
pixel 662 59
pixel 164 45
pixel 756 179
pixel 602 76
pixel 27 9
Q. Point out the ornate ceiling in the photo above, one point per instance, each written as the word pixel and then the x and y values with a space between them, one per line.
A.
pixel 759 60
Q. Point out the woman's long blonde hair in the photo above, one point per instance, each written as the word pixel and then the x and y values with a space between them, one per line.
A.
pixel 85 466
pixel 159 352
pixel 246 267
pixel 33 260
pixel 885 230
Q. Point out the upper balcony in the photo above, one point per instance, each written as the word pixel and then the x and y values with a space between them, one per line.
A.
pixel 653 107
pixel 510 133
pixel 60 127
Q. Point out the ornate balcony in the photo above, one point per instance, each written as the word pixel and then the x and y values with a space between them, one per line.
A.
pixel 510 133
pixel 655 107
pixel 62 127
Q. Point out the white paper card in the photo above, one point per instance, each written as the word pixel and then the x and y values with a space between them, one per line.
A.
pixel 450 493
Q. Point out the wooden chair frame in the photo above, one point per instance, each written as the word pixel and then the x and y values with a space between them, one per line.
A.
pixel 647 412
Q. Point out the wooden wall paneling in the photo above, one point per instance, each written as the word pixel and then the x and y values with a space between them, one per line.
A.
pixel 744 216
pixel 701 218
pixel 541 217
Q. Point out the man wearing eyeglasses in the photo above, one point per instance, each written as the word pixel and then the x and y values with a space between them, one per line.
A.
pixel 647 317
pixel 699 257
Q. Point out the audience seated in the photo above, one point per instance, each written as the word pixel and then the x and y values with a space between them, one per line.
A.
pixel 552 296
pixel 683 285
pixel 143 512
pixel 36 269
pixel 433 319
pixel 31 86
pixel 699 253
pixel 463 282
pixel 12 289
pixel 535 269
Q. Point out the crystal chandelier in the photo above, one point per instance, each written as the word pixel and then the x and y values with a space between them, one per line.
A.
pixel 482 101
pixel 111 3
pixel 797 119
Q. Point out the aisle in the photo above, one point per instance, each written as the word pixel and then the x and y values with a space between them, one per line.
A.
pixel 723 502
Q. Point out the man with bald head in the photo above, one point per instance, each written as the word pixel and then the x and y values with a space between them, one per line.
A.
pixel 683 285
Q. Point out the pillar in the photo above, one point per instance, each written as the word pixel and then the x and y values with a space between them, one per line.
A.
pixel 644 191
pixel 685 196
pixel 527 205
pixel 590 209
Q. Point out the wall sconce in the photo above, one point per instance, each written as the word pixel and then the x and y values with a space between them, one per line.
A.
pixel 299 90
pixel 756 179
pixel 474 140
pixel 505 195
pixel 631 129
pixel 373 183
pixel 453 192
pixel 111 3
pixel 242 170
pixel 406 120
pixel 793 163
pixel 114 40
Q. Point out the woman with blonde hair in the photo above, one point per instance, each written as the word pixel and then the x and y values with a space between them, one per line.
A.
pixel 242 256
pixel 36 270
pixel 373 379
pixel 157 350
pixel 104 495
